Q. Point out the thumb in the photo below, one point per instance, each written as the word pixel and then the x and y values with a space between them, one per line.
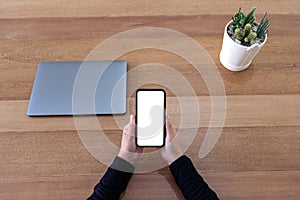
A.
pixel 132 119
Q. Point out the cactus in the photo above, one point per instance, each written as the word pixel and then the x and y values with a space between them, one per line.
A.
pixel 246 35
pixel 239 34
pixel 251 36
pixel 245 29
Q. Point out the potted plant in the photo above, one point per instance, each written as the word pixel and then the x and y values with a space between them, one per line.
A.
pixel 242 40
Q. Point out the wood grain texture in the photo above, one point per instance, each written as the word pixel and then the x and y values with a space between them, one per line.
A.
pixel 257 154
pixel 27 42
pixel 102 27
pixel 55 153
pixel 265 185
pixel 241 111
pixel 96 8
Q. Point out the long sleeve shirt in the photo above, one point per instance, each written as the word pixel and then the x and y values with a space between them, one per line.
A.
pixel 114 182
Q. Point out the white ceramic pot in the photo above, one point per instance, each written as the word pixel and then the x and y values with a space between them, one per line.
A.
pixel 237 57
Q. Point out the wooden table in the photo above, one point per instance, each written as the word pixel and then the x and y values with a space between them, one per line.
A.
pixel 258 153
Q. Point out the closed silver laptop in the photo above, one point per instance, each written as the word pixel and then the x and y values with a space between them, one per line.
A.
pixel 79 88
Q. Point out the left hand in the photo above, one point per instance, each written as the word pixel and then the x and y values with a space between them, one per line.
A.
pixel 129 151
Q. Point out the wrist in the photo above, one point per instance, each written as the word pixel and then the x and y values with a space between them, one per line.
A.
pixel 126 156
pixel 173 158
pixel 122 165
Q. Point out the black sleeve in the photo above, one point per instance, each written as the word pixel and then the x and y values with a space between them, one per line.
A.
pixel 114 181
pixel 189 181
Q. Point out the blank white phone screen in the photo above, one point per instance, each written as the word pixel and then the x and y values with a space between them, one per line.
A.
pixel 150 118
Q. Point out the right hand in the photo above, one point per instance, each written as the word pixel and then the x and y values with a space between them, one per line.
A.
pixel 171 151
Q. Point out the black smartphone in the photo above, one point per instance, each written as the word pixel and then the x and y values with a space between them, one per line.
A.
pixel 150 117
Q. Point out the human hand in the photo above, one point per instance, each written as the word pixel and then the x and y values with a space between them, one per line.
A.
pixel 129 151
pixel 171 151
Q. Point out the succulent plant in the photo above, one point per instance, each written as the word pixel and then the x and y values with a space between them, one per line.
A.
pixel 245 29
pixel 263 26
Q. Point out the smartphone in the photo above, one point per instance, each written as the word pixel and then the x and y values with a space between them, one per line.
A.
pixel 150 117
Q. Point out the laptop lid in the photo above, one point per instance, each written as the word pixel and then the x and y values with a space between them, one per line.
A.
pixel 79 88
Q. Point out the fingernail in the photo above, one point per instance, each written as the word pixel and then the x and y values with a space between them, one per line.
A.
pixel 131 118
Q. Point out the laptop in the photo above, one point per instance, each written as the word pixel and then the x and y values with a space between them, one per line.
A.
pixel 79 88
